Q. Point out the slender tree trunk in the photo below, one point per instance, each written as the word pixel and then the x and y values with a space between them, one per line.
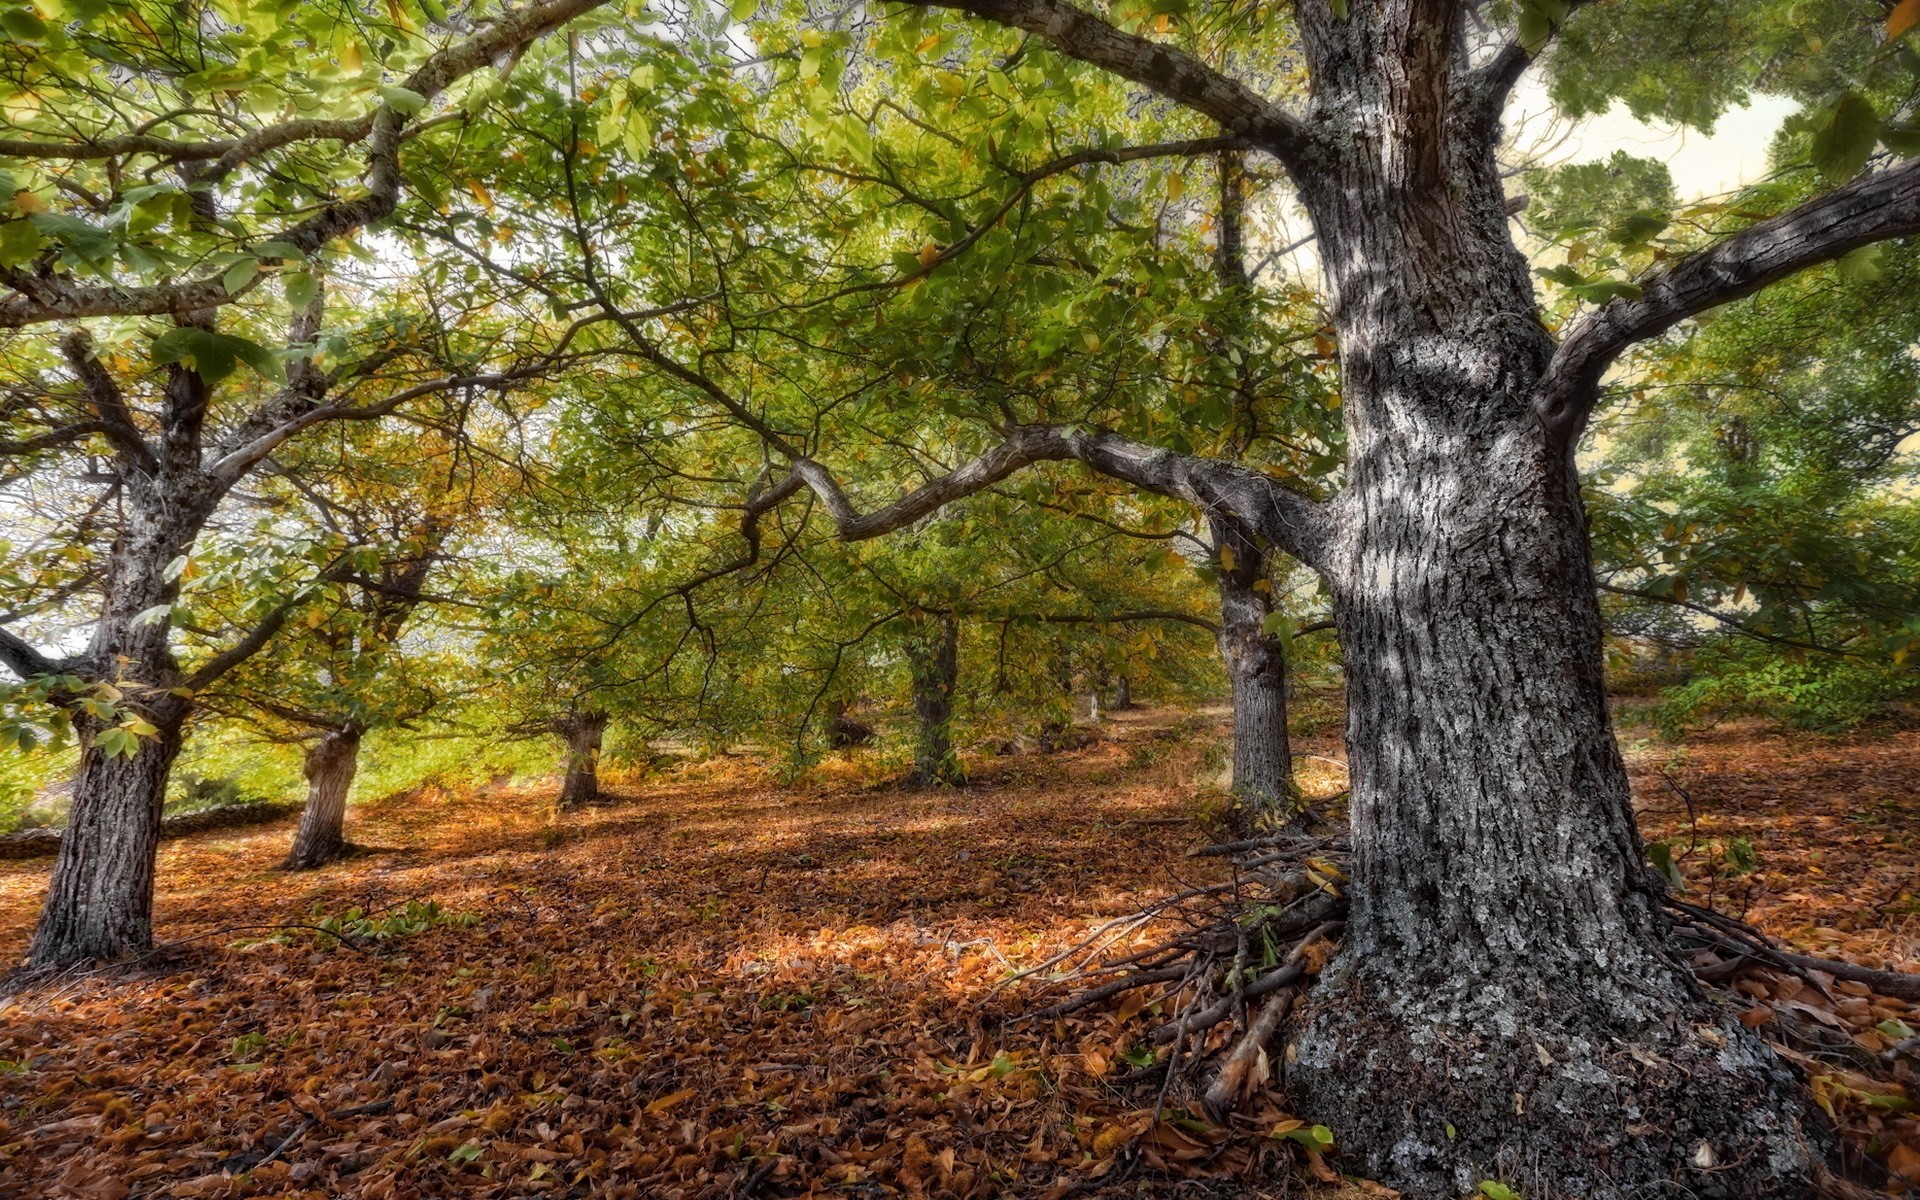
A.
pixel 584 732
pixel 330 766
pixel 99 904
pixel 1503 1005
pixel 933 658
pixel 1256 663
pixel 1122 693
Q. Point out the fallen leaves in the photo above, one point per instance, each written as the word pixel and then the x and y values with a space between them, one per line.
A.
pixel 723 988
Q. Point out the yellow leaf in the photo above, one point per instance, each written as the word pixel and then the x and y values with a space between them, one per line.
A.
pixel 481 193
pixel 927 43
pixel 350 60
pixel 1228 558
pixel 668 1101
pixel 1176 187
pixel 27 202
pixel 929 254
pixel 1905 16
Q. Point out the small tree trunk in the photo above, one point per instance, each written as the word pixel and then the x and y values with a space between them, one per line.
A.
pixel 583 732
pixel 933 658
pixel 844 730
pixel 1122 694
pixel 330 766
pixel 100 902
pixel 1256 662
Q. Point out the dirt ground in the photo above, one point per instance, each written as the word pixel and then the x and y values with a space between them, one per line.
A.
pixel 715 986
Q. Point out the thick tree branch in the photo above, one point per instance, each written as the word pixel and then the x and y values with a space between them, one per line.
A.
pixel 1287 519
pixel 1174 73
pixel 108 402
pixel 1872 209
pixel 20 657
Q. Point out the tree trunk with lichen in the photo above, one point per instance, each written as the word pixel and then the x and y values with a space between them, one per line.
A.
pixel 1503 1006
pixel 933 661
pixel 330 765
pixel 1256 661
pixel 583 733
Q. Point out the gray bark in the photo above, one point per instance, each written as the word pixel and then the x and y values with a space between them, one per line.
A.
pixel 1122 693
pixel 330 765
pixel 99 904
pixel 1256 663
pixel 583 733
pixel 933 660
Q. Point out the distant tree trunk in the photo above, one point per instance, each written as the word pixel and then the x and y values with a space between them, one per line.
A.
pixel 1256 662
pixel 1122 693
pixel 933 658
pixel 844 730
pixel 100 902
pixel 583 732
pixel 330 766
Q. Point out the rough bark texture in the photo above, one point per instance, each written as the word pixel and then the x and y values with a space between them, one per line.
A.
pixel 1502 1007
pixel 933 658
pixel 1256 662
pixel 330 766
pixel 583 732
pixel 100 902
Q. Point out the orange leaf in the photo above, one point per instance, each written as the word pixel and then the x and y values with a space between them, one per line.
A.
pixel 1905 16
pixel 668 1101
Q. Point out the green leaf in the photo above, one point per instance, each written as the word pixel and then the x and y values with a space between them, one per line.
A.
pixel 743 9
pixel 214 354
pixel 1844 133
pixel 89 241
pixel 24 24
pixel 1493 1190
pixel 301 288
pixel 1660 854
pixel 404 101
pixel 239 275
pixel 20 242
pixel 1864 265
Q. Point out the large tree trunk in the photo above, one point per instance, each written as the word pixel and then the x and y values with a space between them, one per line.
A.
pixel 584 732
pixel 1503 1006
pixel 1122 693
pixel 1256 662
pixel 330 766
pixel 100 901
pixel 933 659
pixel 99 904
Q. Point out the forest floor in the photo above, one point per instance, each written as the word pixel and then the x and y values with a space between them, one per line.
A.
pixel 715 986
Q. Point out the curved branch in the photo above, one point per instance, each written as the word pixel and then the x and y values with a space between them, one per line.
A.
pixel 1287 519
pixel 1872 209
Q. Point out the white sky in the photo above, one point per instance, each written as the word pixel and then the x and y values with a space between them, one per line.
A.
pixel 1735 153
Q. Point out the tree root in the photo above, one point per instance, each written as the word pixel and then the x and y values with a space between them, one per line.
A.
pixel 1238 956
